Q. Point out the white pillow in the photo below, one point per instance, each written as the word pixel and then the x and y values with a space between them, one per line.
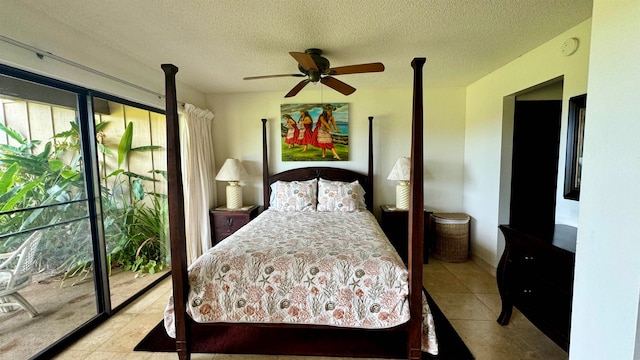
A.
pixel 361 204
pixel 340 196
pixel 294 195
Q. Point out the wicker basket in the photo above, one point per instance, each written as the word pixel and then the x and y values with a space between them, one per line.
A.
pixel 451 236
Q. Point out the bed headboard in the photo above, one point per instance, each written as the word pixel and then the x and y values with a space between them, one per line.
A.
pixel 315 172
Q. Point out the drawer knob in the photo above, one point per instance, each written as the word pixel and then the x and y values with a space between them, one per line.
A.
pixel 229 224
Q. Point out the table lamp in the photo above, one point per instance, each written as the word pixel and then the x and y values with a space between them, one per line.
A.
pixel 233 171
pixel 401 172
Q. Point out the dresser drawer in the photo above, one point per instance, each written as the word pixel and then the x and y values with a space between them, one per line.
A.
pixel 226 222
pixel 225 225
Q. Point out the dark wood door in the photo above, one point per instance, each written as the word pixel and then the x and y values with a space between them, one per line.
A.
pixel 534 178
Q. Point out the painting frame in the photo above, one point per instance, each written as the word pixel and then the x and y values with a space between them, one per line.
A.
pixel 314 131
pixel 575 145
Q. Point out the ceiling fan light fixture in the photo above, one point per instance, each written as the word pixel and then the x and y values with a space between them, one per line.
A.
pixel 314 76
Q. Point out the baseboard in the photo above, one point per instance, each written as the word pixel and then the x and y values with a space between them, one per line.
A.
pixel 483 264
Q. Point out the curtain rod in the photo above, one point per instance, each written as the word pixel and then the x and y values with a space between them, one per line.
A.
pixel 42 54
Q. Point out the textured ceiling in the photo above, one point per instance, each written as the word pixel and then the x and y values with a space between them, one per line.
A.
pixel 216 43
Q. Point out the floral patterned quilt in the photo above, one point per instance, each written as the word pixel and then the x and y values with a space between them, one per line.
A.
pixel 322 268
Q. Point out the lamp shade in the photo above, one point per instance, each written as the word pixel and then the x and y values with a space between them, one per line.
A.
pixel 401 170
pixel 232 170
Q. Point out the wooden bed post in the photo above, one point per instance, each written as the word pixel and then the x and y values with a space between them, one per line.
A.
pixel 416 217
pixel 370 170
pixel 176 217
pixel 265 167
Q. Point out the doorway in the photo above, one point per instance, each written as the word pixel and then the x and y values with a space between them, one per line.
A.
pixel 529 210
pixel 534 174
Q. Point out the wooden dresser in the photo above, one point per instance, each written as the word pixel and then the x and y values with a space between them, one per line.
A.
pixel 535 274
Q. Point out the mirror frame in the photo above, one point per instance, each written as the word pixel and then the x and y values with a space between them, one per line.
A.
pixel 575 141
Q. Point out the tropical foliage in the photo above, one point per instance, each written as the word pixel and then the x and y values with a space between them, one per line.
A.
pixel 45 188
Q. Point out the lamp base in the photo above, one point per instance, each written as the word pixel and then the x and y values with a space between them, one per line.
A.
pixel 234 195
pixel 402 196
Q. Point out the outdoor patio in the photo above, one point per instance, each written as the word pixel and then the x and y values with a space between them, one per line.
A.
pixel 62 307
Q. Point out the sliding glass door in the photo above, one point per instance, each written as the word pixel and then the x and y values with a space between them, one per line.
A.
pixel 84 175
pixel 43 189
pixel 132 167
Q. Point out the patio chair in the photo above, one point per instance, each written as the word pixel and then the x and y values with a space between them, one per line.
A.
pixel 16 270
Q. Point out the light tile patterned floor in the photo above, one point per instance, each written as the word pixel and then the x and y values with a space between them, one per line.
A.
pixel 466 293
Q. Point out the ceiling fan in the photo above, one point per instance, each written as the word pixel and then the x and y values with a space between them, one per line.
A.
pixel 316 68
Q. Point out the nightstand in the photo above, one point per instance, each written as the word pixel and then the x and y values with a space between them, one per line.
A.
pixel 225 222
pixel 395 224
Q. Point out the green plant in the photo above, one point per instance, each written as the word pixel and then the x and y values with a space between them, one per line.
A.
pixel 133 219
pixel 31 186
pixel 143 248
pixel 137 226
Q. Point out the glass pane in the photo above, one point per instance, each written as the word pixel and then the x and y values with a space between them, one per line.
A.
pixel 132 164
pixel 42 190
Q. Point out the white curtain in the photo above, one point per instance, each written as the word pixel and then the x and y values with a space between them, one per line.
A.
pixel 198 177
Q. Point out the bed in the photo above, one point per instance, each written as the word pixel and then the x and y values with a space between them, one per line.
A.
pixel 343 282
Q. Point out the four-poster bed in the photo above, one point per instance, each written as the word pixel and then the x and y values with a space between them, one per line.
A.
pixel 355 269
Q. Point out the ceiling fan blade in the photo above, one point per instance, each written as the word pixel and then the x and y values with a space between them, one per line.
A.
pixel 338 85
pixel 305 60
pixel 296 89
pixel 356 69
pixel 272 76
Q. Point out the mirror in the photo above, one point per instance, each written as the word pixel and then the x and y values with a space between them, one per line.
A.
pixel 575 140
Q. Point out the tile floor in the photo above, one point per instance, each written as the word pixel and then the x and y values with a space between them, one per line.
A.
pixel 466 293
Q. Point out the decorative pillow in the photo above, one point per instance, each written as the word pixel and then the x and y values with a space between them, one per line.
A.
pixel 339 196
pixel 360 203
pixel 294 195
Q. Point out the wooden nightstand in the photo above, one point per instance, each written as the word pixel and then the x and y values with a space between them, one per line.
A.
pixel 395 224
pixel 225 222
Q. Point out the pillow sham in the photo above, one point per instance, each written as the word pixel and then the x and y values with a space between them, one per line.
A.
pixel 340 196
pixel 294 195
pixel 360 201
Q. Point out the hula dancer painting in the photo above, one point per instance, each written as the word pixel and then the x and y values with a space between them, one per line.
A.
pixel 306 139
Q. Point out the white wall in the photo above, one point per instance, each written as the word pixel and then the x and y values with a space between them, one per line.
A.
pixel 607 277
pixel 486 176
pixel 238 133
pixel 37 30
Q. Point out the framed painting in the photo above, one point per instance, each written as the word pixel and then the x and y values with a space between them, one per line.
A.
pixel 315 132
pixel 575 140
